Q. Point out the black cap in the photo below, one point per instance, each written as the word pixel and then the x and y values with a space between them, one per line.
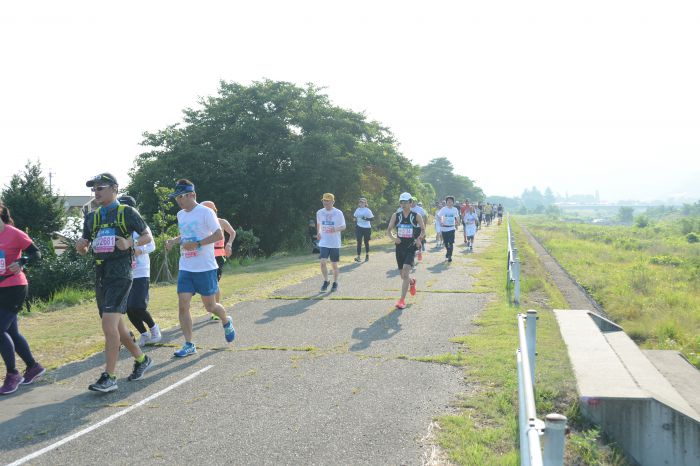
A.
pixel 127 200
pixel 102 178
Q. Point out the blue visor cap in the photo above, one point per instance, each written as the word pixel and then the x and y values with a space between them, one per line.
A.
pixel 182 189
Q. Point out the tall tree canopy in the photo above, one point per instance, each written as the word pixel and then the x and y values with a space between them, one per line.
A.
pixel 439 172
pixel 265 153
pixel 33 205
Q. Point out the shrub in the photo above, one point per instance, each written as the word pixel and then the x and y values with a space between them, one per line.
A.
pixel 246 244
pixel 666 260
pixel 692 238
pixel 53 273
pixel 641 221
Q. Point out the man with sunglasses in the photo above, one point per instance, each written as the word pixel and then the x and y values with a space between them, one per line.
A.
pixel 410 229
pixel 199 230
pixel 113 251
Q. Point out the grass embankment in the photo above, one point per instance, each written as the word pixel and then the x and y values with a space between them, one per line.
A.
pixel 486 429
pixel 646 279
pixel 59 334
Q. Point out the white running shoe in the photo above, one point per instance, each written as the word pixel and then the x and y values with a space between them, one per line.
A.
pixel 144 339
pixel 155 334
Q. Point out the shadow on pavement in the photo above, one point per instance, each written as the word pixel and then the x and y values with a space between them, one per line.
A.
pixel 292 309
pixel 54 421
pixel 381 329
pixel 439 267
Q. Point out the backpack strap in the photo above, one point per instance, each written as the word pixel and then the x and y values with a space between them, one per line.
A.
pixel 121 221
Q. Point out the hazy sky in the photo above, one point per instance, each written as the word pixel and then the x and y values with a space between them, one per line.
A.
pixel 577 96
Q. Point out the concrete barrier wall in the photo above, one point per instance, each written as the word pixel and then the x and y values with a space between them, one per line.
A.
pixel 651 433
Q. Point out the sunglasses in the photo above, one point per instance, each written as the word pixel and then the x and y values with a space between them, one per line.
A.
pixel 181 196
pixel 99 188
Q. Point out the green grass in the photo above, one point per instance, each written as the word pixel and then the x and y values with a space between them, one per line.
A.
pixel 73 331
pixel 646 279
pixel 486 429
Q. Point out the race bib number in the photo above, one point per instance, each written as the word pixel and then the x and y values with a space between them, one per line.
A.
pixel 327 226
pixel 189 254
pixel 405 231
pixel 449 221
pixel 3 267
pixel 105 241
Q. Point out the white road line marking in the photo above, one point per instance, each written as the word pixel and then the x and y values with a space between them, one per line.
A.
pixel 107 420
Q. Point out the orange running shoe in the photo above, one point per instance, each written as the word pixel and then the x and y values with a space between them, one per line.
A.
pixel 412 290
pixel 401 304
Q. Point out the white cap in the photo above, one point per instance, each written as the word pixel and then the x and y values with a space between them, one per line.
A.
pixel 405 197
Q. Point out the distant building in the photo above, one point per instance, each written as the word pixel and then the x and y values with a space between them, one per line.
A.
pixel 74 205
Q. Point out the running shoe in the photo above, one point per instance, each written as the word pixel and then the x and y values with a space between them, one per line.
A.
pixel 11 384
pixel 324 287
pixel 357 259
pixel 140 368
pixel 412 289
pixel 186 350
pixel 104 384
pixel 334 287
pixel 401 304
pixel 449 259
pixel 214 317
pixel 229 331
pixel 33 373
pixel 144 339
pixel 155 334
pixel 367 258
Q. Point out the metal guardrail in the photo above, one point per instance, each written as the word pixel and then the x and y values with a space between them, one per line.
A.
pixel 530 427
pixel 513 265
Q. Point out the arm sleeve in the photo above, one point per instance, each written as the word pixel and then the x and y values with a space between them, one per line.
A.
pixel 32 255
pixel 150 246
pixel 87 226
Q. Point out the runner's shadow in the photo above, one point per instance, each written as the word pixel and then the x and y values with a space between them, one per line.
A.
pixel 392 273
pixel 53 421
pixel 292 309
pixel 381 329
pixel 349 267
pixel 439 267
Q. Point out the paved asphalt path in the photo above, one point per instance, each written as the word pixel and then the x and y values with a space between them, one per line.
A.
pixel 327 380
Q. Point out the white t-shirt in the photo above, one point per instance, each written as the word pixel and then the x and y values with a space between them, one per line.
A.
pixel 196 225
pixel 363 212
pixel 448 216
pixel 141 265
pixel 328 219
pixel 419 210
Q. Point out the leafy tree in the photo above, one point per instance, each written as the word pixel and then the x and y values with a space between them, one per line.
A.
pixel 626 214
pixel 265 153
pixel 34 206
pixel 548 197
pixel 533 200
pixel 439 172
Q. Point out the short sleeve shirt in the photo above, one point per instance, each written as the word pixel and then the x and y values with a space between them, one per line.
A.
pixel 196 225
pixel 363 212
pixel 328 220
pixel 448 216
pixel 12 242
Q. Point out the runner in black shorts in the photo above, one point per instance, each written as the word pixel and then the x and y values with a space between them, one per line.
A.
pixel 411 231
pixel 108 231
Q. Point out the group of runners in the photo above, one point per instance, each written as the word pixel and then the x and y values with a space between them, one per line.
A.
pixel 120 242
